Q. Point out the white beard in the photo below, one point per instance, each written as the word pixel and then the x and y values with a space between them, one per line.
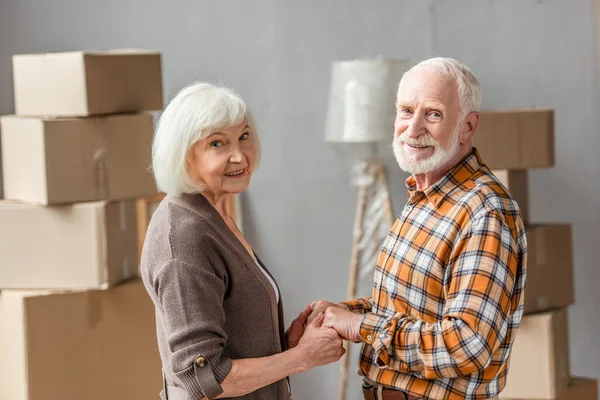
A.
pixel 436 161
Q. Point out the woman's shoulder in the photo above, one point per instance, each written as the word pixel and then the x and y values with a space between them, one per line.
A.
pixel 180 229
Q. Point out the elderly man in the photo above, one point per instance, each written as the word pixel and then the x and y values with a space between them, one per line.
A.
pixel 448 287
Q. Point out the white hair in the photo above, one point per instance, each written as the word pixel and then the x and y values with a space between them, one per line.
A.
pixel 193 114
pixel 469 90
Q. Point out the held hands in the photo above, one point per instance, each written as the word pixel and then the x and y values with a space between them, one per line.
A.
pixel 339 317
pixel 319 345
pixel 297 327
pixel 345 322
pixel 321 306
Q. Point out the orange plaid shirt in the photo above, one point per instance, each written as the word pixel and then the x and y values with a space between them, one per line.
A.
pixel 448 289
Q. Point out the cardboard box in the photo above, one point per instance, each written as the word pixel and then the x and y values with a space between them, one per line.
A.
pixel 539 363
pixel 518 139
pixel 70 160
pixel 518 185
pixel 83 246
pixel 88 345
pixel 87 83
pixel 579 389
pixel 550 282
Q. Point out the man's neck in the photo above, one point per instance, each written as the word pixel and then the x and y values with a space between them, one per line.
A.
pixel 429 179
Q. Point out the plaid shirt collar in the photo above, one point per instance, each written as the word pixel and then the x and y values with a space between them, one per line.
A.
pixel 454 178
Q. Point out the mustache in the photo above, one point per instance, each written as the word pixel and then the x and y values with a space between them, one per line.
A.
pixel 424 140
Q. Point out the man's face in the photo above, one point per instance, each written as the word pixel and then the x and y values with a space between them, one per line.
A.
pixel 426 130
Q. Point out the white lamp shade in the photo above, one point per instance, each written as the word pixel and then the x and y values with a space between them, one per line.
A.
pixel 362 100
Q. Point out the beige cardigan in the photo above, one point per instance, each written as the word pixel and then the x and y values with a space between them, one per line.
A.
pixel 213 304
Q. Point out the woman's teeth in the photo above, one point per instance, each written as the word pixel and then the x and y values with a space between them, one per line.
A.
pixel 241 171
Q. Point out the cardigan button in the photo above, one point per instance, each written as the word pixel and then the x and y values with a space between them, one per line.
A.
pixel 201 362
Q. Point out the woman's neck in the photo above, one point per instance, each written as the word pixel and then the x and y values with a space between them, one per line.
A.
pixel 220 202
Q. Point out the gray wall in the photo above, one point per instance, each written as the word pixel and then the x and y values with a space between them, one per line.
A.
pixel 277 54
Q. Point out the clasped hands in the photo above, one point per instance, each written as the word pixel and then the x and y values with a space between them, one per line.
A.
pixel 320 328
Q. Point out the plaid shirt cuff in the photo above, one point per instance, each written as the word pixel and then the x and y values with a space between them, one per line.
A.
pixel 372 332
pixel 361 306
pixel 375 330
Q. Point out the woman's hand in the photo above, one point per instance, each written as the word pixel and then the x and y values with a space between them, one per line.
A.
pixel 320 346
pixel 296 329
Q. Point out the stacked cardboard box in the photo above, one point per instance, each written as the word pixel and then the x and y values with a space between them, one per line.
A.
pixel 511 142
pixel 76 322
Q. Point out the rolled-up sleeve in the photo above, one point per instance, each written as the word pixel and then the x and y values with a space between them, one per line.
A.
pixel 361 305
pixel 191 298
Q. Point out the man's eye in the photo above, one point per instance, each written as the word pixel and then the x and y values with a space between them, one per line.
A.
pixel 405 111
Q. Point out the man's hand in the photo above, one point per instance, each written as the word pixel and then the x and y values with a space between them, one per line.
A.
pixel 346 323
pixel 296 329
pixel 321 306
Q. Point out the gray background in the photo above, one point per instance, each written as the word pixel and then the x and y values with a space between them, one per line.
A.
pixel 277 54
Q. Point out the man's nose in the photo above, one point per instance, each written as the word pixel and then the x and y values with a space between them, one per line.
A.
pixel 416 127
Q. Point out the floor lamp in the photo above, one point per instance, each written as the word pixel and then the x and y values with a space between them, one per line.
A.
pixel 360 114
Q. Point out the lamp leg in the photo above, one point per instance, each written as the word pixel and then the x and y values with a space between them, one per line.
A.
pixel 357 233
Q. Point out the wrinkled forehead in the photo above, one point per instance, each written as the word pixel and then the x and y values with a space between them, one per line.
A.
pixel 425 84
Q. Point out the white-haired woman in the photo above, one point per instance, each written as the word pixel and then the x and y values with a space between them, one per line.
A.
pixel 218 310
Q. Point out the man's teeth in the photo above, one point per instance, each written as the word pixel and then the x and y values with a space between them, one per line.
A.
pixel 235 173
pixel 416 146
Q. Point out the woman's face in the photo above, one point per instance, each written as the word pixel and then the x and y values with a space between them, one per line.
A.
pixel 223 162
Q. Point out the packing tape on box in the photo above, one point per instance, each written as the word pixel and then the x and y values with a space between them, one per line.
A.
pixel 543 302
pixel 123 215
pixel 125 271
pixel 125 268
pixel 540 247
pixel 101 222
pixel 100 173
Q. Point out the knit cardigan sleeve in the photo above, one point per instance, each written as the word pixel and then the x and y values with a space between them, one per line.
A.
pixel 191 298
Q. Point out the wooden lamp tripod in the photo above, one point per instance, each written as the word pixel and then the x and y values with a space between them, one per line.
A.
pixel 361 112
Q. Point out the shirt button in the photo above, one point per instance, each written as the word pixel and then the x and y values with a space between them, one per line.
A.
pixel 201 362
pixel 369 338
pixel 378 286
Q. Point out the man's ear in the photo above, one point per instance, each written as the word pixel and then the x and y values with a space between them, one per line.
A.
pixel 469 127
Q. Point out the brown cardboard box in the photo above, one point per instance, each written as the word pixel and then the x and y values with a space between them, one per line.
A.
pixel 517 139
pixel 517 184
pixel 539 363
pixel 83 246
pixel 88 345
pixel 579 389
pixel 87 83
pixel 70 160
pixel 550 283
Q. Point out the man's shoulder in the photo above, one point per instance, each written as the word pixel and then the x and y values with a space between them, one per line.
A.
pixel 483 193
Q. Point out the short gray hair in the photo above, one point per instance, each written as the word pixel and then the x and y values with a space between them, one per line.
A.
pixel 469 90
pixel 193 114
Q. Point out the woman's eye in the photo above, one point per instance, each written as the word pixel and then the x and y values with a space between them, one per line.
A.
pixel 216 143
pixel 244 136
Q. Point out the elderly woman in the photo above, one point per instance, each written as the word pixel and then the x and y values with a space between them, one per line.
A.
pixel 219 314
